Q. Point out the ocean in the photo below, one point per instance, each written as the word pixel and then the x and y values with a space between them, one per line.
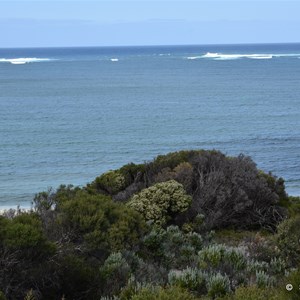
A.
pixel 69 114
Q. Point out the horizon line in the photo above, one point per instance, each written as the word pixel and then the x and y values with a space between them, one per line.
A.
pixel 154 45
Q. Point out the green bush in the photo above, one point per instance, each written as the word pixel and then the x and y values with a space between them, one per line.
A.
pixel 190 278
pixel 263 280
pixel 288 240
pixel 2 296
pixel 172 293
pixel 159 203
pixel 24 233
pixel 217 285
pixel 110 182
pixel 294 206
pixel 131 171
pixel 211 255
pixel 78 278
pixel 294 279
pixel 171 247
pixel 102 223
pixel 255 293
pixel 277 265
pixel 115 272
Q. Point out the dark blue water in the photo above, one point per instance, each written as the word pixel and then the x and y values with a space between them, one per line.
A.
pixel 69 114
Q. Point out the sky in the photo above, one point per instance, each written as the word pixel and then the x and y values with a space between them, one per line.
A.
pixel 44 23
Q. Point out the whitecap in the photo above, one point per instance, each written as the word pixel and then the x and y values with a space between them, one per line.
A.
pixel 114 59
pixel 193 57
pixel 262 56
pixel 221 56
pixel 23 60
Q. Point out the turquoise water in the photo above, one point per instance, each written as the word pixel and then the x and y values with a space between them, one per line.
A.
pixel 69 114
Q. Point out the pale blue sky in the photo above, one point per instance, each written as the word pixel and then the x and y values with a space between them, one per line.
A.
pixel 102 23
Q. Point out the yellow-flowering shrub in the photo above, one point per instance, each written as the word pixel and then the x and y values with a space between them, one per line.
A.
pixel 161 201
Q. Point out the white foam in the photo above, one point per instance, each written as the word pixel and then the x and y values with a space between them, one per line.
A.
pixel 23 60
pixel 114 59
pixel 193 57
pixel 267 56
pixel 220 56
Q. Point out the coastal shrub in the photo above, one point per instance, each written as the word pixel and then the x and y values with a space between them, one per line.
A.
pixel 236 258
pixel 171 247
pixel 277 265
pixel 143 271
pixel 161 202
pixel 132 172
pixel 189 278
pixel 276 185
pixel 217 285
pixel 255 293
pixel 172 293
pixel 294 206
pixel 44 201
pixel 115 273
pixel 24 233
pixel 170 160
pixel 254 266
pixel 103 224
pixel 110 182
pixel 263 280
pixel 66 192
pixel 30 295
pixel 135 286
pixel 182 173
pixel 78 278
pixel 293 278
pixel 211 256
pixel 288 240
pixel 262 248
pixel 230 192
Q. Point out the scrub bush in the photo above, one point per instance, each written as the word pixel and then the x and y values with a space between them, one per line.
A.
pixel 101 223
pixel 161 202
pixel 288 240
pixel 110 182
pixel 217 285
pixel 115 273
pixel 172 293
pixel 189 278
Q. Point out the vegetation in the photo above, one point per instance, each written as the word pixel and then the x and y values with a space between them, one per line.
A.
pixel 188 225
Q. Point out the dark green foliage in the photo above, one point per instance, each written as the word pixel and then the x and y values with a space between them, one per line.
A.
pixel 182 173
pixel 172 293
pixel 255 293
pixel 115 272
pixel 288 240
pixel 79 278
pixel 294 205
pixel 231 192
pixel 293 279
pixel 171 247
pixel 25 233
pixel 2 296
pixel 110 182
pixel 277 186
pixel 103 224
pixel 132 172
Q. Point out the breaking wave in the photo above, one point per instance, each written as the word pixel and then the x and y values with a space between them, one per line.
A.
pixel 193 57
pixel 24 60
pixel 221 56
